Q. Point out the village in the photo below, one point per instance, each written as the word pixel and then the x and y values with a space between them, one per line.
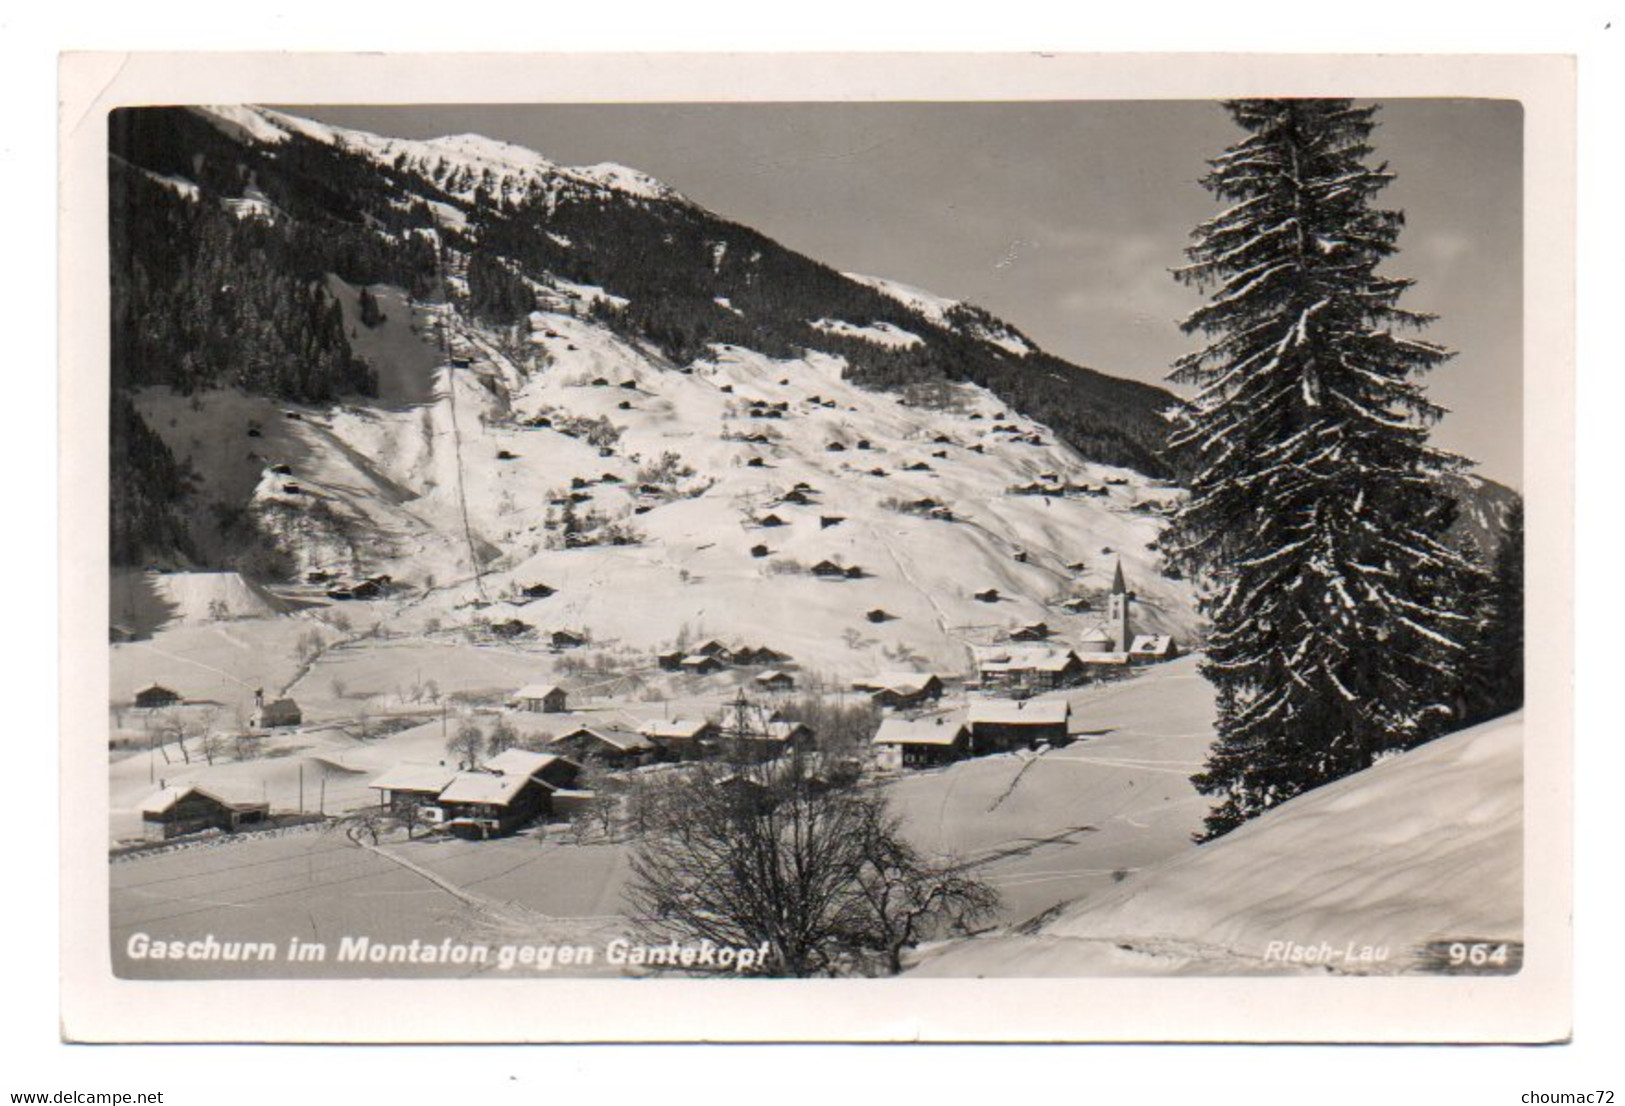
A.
pixel 548 754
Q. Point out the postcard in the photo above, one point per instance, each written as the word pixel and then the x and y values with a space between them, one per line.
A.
pixel 752 547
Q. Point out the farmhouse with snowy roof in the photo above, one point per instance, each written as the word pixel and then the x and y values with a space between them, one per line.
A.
pixel 1000 724
pixel 609 744
pixel 509 791
pixel 541 699
pixel 775 680
pixel 897 690
pixel 921 742
pixel 156 696
pixel 680 738
pixel 174 811
pixel 412 785
pixel 1028 668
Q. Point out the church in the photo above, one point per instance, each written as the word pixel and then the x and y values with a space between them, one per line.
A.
pixel 1114 641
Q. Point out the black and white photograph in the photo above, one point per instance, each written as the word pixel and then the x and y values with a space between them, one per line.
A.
pixel 872 540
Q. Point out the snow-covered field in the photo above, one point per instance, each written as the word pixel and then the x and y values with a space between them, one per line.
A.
pixel 1043 829
pixel 1053 827
pixel 1353 877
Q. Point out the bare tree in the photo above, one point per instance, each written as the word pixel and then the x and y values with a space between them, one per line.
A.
pixel 601 816
pixel 467 743
pixel 165 726
pixel 911 897
pixel 773 853
pixel 844 730
pixel 503 736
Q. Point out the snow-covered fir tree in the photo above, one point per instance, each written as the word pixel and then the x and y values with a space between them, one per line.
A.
pixel 1316 518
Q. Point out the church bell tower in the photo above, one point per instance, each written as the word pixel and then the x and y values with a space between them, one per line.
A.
pixel 1117 612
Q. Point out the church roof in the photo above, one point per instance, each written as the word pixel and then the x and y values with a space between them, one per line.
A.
pixel 1118 586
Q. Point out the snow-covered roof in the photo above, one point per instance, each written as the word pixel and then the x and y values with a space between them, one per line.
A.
pixel 498 789
pixel 414 777
pixel 1013 712
pixel 940 729
pixel 772 675
pixel 781 731
pixel 674 728
pixel 1095 633
pixel 537 691
pixel 520 761
pixel 902 682
pixel 1103 658
pixel 163 800
pixel 1151 643
pixel 1038 658
pixel 621 738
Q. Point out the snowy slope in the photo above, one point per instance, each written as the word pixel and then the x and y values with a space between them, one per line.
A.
pixel 694 567
pixel 426 492
pixel 1425 846
pixel 945 312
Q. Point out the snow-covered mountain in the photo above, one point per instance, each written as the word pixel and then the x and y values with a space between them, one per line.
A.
pixel 461 165
pixel 579 379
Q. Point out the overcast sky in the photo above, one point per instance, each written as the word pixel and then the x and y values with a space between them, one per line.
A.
pixel 1063 218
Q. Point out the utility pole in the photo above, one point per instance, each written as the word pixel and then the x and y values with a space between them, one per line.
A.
pixel 301 789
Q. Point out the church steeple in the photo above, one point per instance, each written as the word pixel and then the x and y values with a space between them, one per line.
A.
pixel 1117 604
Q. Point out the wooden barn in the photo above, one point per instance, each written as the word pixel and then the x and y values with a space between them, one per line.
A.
pixel 898 690
pixel 541 699
pixel 761 654
pixel 681 738
pixel 775 739
pixel 921 742
pixel 609 745
pixel 1032 631
pixel 566 639
pixel 278 712
pixel 156 696
pixel 1150 648
pixel 776 680
pixel 175 811
pixel 552 768
pixel 997 725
